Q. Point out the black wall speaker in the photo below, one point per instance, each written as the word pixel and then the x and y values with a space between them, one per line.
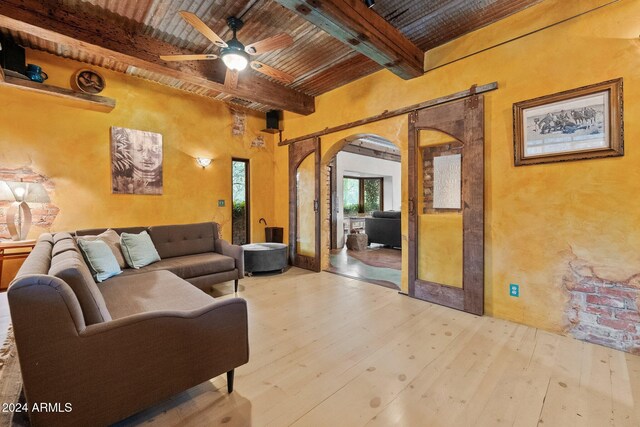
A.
pixel 273 121
pixel 12 56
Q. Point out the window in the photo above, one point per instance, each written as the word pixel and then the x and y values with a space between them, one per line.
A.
pixel 240 201
pixel 362 195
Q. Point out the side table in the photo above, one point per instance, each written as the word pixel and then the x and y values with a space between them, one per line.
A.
pixel 11 249
pixel 357 241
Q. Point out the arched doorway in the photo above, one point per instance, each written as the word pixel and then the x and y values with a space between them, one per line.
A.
pixel 361 178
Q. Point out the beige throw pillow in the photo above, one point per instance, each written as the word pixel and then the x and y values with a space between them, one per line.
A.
pixel 112 239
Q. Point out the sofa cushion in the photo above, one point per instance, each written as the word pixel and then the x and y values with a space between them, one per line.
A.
pixel 48 237
pixel 151 291
pixel 119 230
pixel 138 249
pixel 185 239
pixel 70 267
pixel 112 239
pixel 189 266
pixel 100 259
pixel 61 236
pixel 387 214
pixel 39 260
pixel 63 245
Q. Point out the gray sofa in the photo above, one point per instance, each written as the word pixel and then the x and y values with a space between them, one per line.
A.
pixel 384 227
pixel 114 348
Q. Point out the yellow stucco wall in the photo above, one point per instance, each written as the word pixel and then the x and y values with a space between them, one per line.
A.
pixel 71 146
pixel 536 217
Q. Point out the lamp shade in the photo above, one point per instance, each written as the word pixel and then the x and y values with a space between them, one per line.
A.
pixel 30 192
pixel 5 193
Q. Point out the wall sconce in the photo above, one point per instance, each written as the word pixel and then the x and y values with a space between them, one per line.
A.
pixel 19 213
pixel 204 162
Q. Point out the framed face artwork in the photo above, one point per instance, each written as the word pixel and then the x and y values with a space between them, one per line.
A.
pixel 582 123
pixel 136 161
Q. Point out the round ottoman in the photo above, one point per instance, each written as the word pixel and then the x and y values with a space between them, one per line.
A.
pixel 260 257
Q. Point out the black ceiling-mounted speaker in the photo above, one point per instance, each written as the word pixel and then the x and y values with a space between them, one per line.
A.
pixel 273 122
pixel 12 57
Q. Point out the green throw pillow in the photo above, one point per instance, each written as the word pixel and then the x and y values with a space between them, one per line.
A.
pixel 100 259
pixel 138 249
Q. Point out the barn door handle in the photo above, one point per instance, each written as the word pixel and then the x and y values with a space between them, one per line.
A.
pixel 315 205
pixel 411 206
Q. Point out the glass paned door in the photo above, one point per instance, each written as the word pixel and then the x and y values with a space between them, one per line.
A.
pixel 305 208
pixel 304 204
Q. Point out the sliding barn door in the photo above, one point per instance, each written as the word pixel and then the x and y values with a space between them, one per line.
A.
pixel 446 204
pixel 304 204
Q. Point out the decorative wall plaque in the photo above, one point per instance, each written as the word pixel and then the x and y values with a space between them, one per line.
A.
pixel 88 81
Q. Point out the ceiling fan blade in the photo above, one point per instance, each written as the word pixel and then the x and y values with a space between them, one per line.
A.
pixel 197 23
pixel 272 72
pixel 188 57
pixel 279 41
pixel 231 79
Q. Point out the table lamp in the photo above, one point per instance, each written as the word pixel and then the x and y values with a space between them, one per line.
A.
pixel 19 214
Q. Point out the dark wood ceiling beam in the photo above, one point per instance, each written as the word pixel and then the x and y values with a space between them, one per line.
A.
pixel 351 22
pixel 96 35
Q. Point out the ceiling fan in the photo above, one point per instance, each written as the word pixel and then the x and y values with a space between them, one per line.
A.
pixel 234 54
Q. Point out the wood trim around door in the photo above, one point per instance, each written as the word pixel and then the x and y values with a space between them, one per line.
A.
pixel 464 121
pixel 297 153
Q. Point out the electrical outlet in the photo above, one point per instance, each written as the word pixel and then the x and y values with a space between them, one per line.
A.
pixel 514 290
pixel 221 203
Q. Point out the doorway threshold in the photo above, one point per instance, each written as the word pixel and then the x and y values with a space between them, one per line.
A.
pixel 383 283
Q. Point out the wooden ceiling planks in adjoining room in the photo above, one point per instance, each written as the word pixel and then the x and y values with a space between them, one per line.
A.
pixel 318 61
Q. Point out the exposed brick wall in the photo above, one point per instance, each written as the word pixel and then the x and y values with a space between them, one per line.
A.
pixel 602 311
pixel 428 154
pixel 43 214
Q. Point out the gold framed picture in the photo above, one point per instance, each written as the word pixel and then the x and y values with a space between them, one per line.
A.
pixel 582 123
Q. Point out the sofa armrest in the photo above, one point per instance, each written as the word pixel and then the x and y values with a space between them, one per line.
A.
pixel 234 251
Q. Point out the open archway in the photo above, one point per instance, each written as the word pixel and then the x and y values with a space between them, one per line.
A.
pixel 374 161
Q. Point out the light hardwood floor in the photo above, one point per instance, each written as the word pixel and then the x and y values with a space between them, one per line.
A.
pixel 327 350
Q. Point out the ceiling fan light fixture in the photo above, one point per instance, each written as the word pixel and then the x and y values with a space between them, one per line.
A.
pixel 235 61
pixel 234 56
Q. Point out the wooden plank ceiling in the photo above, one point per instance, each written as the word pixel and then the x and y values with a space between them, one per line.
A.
pixel 318 61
